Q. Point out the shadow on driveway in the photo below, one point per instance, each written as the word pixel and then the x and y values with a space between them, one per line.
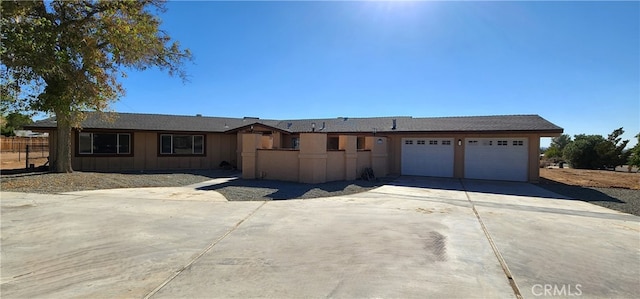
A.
pixel 504 195
pixel 576 192
pixel 545 189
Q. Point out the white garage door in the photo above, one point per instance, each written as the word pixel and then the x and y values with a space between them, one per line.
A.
pixel 427 156
pixel 496 159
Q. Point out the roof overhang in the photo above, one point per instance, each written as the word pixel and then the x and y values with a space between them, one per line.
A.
pixel 252 126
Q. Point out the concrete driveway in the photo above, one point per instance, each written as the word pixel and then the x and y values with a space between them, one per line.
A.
pixel 414 238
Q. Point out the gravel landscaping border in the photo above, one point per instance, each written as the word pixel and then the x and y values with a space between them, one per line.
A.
pixel 249 190
pixel 619 199
pixel 235 190
pixel 48 182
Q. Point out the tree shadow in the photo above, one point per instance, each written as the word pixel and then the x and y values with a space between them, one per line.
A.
pixel 476 186
pixel 576 192
pixel 209 173
pixel 25 171
pixel 545 188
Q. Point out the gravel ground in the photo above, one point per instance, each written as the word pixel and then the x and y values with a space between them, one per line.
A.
pixel 245 190
pixel 237 190
pixel 44 182
pixel 619 199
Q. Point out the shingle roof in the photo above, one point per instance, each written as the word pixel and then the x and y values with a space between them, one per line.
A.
pixel 153 122
pixel 157 122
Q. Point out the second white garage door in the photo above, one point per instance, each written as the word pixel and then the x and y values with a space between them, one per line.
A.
pixel 427 156
pixel 496 159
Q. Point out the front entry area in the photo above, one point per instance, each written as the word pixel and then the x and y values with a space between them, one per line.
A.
pixel 496 159
pixel 427 157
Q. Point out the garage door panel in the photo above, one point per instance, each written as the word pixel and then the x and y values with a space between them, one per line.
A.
pixel 427 157
pixel 496 159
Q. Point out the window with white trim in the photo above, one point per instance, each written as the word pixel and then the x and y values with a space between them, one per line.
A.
pixel 421 142
pixel 408 142
pixel 446 142
pixel 104 143
pixel 433 142
pixel 503 143
pixel 178 144
pixel 518 143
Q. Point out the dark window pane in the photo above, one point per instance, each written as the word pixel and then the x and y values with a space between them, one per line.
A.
pixel 198 144
pixel 165 144
pixel 124 143
pixel 360 143
pixel 105 143
pixel 84 143
pixel 182 144
pixel 332 143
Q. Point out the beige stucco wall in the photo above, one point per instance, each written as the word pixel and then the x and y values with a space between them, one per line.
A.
pixel 219 147
pixel 349 145
pixel 313 163
pixel 335 166
pixel 534 158
pixel 250 146
pixel 363 161
pixel 239 151
pixel 277 164
pixel 313 158
pixel 379 154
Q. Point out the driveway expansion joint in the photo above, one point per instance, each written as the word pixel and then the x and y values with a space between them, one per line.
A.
pixel 203 252
pixel 501 260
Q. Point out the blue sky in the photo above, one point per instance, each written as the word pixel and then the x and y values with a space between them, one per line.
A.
pixel 576 64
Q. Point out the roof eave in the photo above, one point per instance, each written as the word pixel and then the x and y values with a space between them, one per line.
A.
pixel 248 126
pixel 40 128
pixel 550 132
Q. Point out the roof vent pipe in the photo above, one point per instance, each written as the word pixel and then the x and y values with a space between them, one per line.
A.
pixel 323 126
pixel 394 125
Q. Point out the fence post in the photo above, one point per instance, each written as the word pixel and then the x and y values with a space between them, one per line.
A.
pixel 27 158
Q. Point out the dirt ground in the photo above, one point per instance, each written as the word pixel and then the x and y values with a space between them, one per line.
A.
pixel 17 160
pixel 592 178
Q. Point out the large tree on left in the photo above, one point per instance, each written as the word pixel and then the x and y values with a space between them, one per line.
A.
pixel 65 57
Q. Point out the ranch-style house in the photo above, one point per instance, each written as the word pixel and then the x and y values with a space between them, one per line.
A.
pixel 503 147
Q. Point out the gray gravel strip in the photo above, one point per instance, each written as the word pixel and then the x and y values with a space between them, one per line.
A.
pixel 236 190
pixel 248 190
pixel 48 183
pixel 619 199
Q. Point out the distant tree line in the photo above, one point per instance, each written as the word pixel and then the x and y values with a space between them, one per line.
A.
pixel 13 121
pixel 594 151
